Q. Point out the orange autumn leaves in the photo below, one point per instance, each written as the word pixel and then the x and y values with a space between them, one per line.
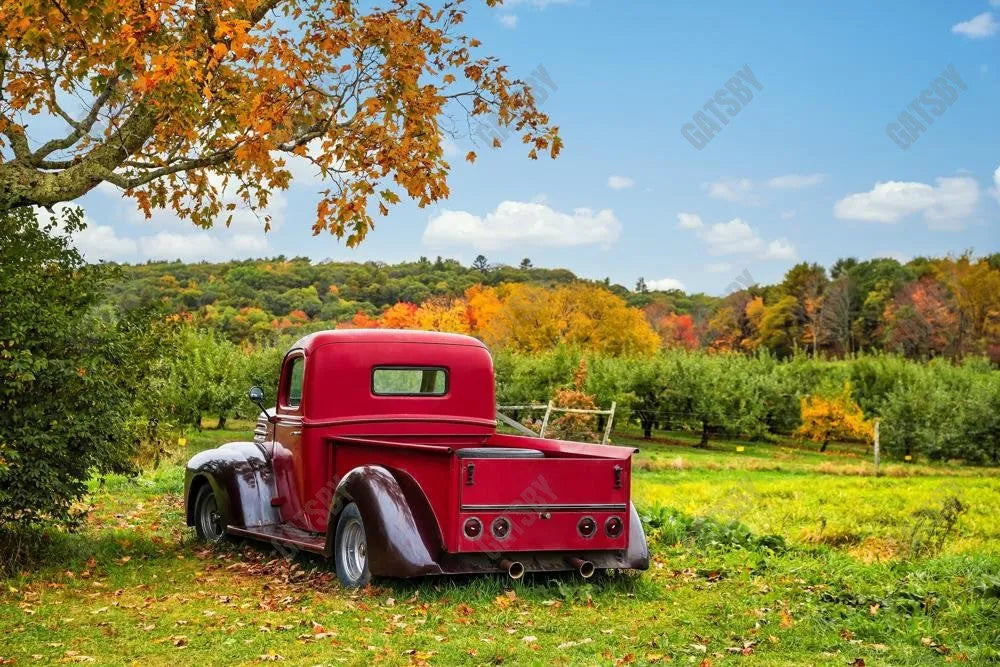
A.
pixel 529 318
pixel 197 107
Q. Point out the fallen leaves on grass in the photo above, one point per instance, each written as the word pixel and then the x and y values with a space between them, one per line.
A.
pixel 505 599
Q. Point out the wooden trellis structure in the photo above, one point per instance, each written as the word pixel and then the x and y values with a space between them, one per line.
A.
pixel 549 409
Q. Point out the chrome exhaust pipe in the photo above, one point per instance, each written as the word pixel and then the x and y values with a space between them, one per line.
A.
pixel 584 567
pixel 515 569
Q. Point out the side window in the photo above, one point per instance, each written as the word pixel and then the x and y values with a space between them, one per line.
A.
pixel 293 391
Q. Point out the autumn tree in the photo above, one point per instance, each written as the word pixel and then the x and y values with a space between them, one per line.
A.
pixel 198 106
pixel 834 328
pixel 920 321
pixel 677 331
pixel 534 319
pixel 975 288
pixel 574 425
pixel 779 328
pixel 833 417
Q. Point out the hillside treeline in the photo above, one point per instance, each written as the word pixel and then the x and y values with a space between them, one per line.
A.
pixel 925 308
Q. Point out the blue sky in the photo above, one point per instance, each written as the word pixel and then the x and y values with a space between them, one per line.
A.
pixel 804 170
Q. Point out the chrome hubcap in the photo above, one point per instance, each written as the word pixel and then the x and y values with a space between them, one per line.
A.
pixel 355 549
pixel 211 520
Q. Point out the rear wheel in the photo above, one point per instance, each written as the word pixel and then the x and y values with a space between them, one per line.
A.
pixel 351 549
pixel 209 521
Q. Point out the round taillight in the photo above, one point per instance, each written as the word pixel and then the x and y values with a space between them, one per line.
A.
pixel 587 526
pixel 614 526
pixel 500 527
pixel 473 528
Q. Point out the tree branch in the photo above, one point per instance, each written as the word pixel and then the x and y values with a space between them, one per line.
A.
pixel 80 129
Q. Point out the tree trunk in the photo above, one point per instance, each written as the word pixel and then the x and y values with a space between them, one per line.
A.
pixel 222 422
pixel 704 433
pixel 822 447
pixel 647 427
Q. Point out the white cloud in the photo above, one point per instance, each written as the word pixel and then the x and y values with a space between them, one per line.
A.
pixel 996 179
pixel 735 237
pixel 94 242
pixel 197 245
pixel 719 267
pixel 664 284
pixel 97 242
pixel 787 215
pixel 739 191
pixel 620 182
pixel 514 223
pixel 945 205
pixel 101 242
pixel 540 4
pixel 508 21
pixel 244 219
pixel 779 249
pixel 796 181
pixel 978 27
pixel 689 221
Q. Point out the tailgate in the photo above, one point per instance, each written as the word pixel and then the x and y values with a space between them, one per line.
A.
pixel 553 484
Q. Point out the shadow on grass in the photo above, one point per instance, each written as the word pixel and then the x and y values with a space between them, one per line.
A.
pixel 312 569
pixel 34 550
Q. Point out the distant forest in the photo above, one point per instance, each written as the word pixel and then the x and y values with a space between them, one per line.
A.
pixel 927 307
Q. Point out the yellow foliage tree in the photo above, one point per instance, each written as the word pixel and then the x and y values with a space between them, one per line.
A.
pixel 534 319
pixel 836 417
pixel 443 315
pixel 483 305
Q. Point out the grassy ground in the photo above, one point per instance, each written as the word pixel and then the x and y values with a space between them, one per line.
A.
pixel 827 565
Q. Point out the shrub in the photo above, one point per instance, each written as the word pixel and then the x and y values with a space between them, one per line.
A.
pixel 68 379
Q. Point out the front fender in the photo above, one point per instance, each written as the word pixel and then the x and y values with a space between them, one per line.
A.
pixel 401 541
pixel 242 479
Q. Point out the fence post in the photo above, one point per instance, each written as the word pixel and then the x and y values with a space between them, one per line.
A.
pixel 875 447
pixel 607 427
pixel 545 420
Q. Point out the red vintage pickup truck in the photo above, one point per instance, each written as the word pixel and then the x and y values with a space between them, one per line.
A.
pixel 383 453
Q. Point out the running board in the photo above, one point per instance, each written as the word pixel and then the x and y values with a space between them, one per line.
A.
pixel 283 534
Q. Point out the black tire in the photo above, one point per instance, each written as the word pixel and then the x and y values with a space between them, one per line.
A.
pixel 209 520
pixel 350 554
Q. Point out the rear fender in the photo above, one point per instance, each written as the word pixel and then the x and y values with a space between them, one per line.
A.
pixel 637 554
pixel 403 536
pixel 242 479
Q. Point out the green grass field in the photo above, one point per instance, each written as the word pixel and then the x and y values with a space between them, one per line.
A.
pixel 763 554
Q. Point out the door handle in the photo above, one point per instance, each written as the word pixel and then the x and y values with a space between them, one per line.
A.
pixel 296 433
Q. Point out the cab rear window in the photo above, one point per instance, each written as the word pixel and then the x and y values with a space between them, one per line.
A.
pixel 409 381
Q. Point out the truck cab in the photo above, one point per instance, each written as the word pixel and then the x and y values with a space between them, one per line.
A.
pixel 382 453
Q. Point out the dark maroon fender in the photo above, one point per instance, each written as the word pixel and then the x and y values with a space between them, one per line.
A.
pixel 637 554
pixel 242 479
pixel 403 536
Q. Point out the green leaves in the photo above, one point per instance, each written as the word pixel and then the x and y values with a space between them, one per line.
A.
pixel 67 378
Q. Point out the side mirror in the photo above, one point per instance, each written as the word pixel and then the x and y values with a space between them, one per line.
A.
pixel 256 396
